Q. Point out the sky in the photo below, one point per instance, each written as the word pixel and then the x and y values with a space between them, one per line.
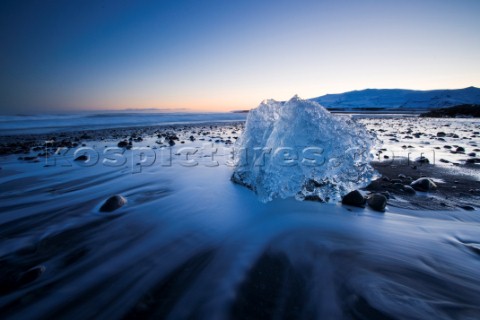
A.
pixel 220 55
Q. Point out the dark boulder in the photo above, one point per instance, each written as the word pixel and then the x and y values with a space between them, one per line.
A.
pixel 377 202
pixel 354 198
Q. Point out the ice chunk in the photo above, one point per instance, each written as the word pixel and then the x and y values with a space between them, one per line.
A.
pixel 298 148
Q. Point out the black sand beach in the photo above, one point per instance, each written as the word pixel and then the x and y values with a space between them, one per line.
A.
pixel 187 242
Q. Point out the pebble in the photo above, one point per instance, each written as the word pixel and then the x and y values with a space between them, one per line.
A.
pixel 81 158
pixel 122 144
pixel 377 202
pixel 424 185
pixel 113 203
pixel 408 189
pixel 422 160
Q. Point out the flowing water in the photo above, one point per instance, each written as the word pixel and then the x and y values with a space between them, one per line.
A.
pixel 191 244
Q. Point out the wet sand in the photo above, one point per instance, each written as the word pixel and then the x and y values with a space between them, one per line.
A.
pixel 191 244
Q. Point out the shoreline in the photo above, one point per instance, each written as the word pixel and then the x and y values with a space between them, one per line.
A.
pixel 176 226
pixel 455 190
pixel 458 186
pixel 16 144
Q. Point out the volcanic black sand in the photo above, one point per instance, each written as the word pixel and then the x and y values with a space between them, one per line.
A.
pixel 185 246
pixel 458 186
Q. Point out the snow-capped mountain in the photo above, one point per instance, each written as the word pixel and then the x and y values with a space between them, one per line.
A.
pixel 400 98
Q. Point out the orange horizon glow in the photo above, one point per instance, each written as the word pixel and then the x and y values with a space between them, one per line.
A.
pixel 194 104
pixel 224 56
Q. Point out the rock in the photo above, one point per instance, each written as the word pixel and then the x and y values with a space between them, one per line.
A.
pixel 81 158
pixel 423 184
pixel 387 195
pixel 402 176
pixel 422 159
pixel 441 134
pixel 122 144
pixel 313 198
pixel 354 198
pixel 409 190
pixel 472 161
pixel 374 185
pixel 113 203
pixel 466 207
pixel 377 202
pixel 472 154
pixel 398 185
pixel 460 150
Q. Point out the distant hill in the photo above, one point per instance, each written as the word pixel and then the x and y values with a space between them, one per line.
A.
pixel 464 110
pixel 399 99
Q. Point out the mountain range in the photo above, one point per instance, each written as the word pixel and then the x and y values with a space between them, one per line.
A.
pixel 399 99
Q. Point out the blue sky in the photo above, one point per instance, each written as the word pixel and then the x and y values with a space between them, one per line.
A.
pixel 224 55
